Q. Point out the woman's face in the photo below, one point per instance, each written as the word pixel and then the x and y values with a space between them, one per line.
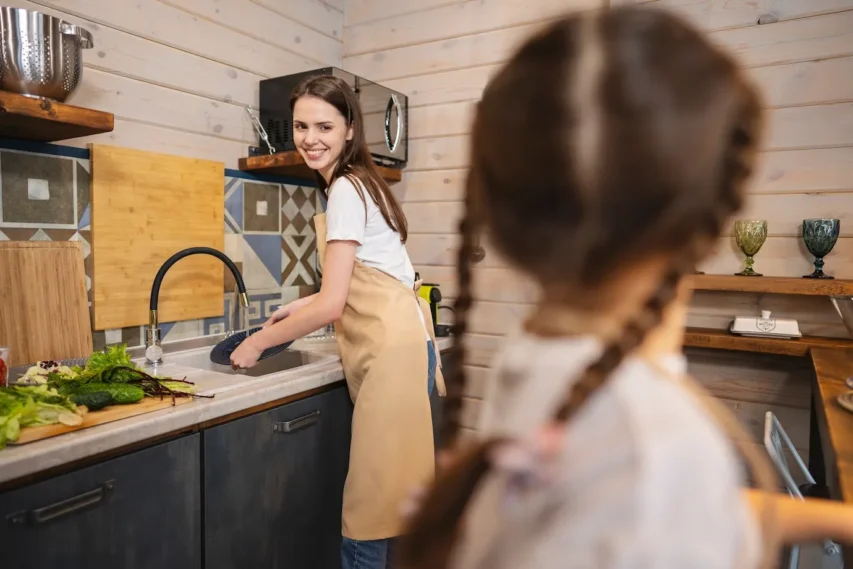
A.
pixel 320 133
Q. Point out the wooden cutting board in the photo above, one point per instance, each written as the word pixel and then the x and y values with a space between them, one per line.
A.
pixel 93 418
pixel 44 312
pixel 146 207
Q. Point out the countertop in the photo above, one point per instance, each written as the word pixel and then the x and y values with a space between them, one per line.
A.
pixel 831 463
pixel 832 368
pixel 28 459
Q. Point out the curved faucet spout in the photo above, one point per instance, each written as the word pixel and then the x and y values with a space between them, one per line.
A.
pixel 153 352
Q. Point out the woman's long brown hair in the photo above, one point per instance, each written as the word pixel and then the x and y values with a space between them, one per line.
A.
pixel 355 161
pixel 607 139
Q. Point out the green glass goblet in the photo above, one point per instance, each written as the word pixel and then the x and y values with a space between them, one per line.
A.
pixel 750 235
pixel 820 236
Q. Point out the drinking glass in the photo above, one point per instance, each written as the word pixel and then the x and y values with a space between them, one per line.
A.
pixel 750 235
pixel 820 236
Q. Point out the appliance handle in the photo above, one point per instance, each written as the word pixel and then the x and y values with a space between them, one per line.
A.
pixel 393 103
pixel 84 38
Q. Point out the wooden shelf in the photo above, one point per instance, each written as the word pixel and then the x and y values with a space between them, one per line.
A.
pixel 723 340
pixel 775 285
pixel 42 120
pixel 290 163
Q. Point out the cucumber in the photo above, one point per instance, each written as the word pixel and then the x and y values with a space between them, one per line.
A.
pixel 93 401
pixel 120 392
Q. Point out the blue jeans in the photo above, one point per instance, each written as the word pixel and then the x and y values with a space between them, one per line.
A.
pixel 375 554
pixel 431 366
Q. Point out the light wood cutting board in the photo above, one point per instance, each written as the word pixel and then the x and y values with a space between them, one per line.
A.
pixel 146 207
pixel 44 313
pixel 94 418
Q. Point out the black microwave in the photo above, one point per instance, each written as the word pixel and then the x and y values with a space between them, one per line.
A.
pixel 385 111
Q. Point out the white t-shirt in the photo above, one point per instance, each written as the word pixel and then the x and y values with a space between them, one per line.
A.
pixel 646 479
pixel 379 246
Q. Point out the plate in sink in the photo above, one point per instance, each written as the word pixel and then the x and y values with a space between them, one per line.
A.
pixel 221 352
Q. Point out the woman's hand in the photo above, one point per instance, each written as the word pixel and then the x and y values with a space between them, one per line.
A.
pixel 280 314
pixel 247 353
pixel 289 309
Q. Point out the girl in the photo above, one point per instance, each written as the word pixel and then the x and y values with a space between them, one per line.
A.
pixel 607 158
pixel 384 331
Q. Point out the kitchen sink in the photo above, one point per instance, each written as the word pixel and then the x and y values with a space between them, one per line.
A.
pixel 286 360
pixel 210 378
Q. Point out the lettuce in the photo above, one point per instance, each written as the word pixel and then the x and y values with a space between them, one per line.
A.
pixel 107 366
pixel 27 406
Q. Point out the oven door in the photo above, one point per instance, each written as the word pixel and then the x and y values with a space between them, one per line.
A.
pixel 386 122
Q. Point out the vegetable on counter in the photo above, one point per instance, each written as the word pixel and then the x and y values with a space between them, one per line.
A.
pixel 120 393
pixel 109 371
pixel 31 406
pixel 93 401
pixel 61 394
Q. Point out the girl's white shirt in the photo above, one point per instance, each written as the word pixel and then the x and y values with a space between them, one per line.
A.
pixel 646 478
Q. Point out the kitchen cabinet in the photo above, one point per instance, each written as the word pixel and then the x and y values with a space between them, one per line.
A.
pixel 139 510
pixel 273 485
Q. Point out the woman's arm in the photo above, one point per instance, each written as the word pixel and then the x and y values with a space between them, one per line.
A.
pixel 806 520
pixel 326 307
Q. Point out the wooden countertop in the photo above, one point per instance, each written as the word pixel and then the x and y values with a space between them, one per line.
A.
pixel 832 367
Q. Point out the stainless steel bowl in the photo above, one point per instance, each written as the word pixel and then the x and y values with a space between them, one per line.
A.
pixel 41 54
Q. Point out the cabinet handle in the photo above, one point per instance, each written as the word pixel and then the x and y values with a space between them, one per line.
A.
pixel 297 423
pixel 63 508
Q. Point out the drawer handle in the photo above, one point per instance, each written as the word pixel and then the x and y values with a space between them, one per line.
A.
pixel 63 508
pixel 298 423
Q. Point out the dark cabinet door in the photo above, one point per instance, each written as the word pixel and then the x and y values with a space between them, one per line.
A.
pixel 273 486
pixel 136 511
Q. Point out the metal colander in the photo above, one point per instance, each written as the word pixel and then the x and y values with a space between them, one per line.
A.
pixel 41 54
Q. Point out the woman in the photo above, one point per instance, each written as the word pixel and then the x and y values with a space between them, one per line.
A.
pixel 608 157
pixel 384 331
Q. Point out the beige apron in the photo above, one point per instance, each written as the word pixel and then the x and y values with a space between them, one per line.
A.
pixel 384 354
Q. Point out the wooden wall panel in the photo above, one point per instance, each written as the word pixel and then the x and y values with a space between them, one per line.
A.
pixel 452 21
pixel 722 14
pixel 178 74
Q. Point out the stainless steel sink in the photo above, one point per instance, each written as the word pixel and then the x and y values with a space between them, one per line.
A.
pixel 193 364
pixel 286 360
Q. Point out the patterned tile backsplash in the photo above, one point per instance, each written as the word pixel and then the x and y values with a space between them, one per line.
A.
pixel 267 225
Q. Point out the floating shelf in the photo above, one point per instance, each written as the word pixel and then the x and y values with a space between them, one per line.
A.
pixel 723 340
pixel 291 164
pixel 43 120
pixel 774 285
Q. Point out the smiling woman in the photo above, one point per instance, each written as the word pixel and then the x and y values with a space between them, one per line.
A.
pixel 384 331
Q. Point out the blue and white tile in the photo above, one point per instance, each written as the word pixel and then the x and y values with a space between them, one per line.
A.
pixel 181 330
pixel 262 306
pixel 214 326
pixel 233 205
pixel 262 262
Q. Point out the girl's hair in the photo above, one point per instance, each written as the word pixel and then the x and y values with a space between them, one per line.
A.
pixel 355 161
pixel 608 139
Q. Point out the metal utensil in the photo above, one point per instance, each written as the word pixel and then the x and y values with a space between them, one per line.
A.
pixel 259 128
pixel 41 54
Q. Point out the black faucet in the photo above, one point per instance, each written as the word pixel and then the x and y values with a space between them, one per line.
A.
pixel 153 351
